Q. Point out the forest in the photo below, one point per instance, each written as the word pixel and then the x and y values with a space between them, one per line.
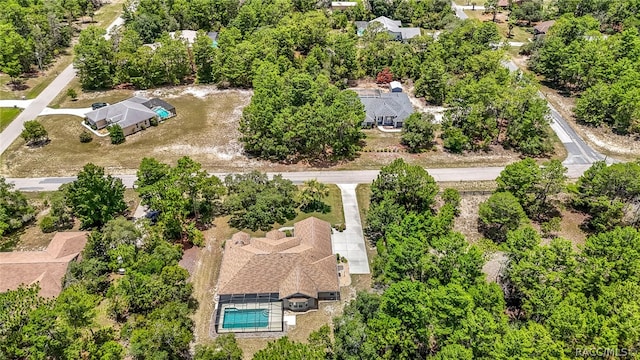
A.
pixel 145 312
pixel 593 52
pixel 33 32
pixel 310 53
pixel 430 298
pixel 552 301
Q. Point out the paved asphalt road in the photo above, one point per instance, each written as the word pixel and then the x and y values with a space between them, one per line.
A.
pixel 580 154
pixel 578 151
pixel 11 133
pixel 327 177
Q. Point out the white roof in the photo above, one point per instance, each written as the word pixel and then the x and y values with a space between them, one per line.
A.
pixel 396 27
pixel 389 24
pixel 188 35
pixel 395 84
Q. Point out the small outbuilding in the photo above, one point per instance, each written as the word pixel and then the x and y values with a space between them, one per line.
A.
pixel 395 86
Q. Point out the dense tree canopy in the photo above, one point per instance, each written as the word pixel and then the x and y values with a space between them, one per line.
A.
pixel 550 301
pixel 15 211
pixel 400 188
pixel 609 195
pixel 94 197
pixel 293 116
pixel 535 187
pixel 604 70
pixel 499 214
pixel 185 196
pixel 33 32
pixel 418 131
pixel 256 203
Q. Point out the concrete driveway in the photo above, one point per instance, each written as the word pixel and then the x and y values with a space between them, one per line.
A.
pixel 350 243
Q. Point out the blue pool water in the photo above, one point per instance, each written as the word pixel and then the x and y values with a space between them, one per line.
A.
pixel 162 112
pixel 245 318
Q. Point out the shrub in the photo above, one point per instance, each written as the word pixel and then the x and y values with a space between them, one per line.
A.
pixel 153 122
pixel 34 132
pixel 116 134
pixel 85 137
pixel 72 94
pixel 452 197
pixel 48 224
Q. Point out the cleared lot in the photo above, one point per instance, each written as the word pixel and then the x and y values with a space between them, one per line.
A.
pixel 205 129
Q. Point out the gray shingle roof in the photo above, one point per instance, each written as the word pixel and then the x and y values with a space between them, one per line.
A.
pixel 395 26
pixel 387 104
pixel 125 113
pixel 151 103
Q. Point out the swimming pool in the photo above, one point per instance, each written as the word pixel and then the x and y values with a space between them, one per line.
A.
pixel 245 318
pixel 162 112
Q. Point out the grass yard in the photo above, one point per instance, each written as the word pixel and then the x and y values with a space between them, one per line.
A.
pixel 205 129
pixel 205 276
pixel 363 194
pixel 7 115
pixel 518 34
pixel 335 214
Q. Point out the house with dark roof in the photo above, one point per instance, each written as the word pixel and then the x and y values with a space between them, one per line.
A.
pixel 543 27
pixel 297 271
pixel 133 114
pixel 385 109
pixel 393 27
pixel 47 267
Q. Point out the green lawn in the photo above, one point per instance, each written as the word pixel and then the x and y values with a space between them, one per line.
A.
pixel 333 217
pixel 7 115
pixel 519 33
pixel 363 193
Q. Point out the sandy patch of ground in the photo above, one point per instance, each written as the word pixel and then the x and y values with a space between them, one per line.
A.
pixel 467 221
pixel 603 139
pixel 494 267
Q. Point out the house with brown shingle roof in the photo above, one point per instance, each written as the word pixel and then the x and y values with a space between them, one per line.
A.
pixel 46 267
pixel 543 27
pixel 297 270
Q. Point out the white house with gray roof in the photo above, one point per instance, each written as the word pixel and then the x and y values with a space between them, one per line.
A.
pixel 386 109
pixel 393 27
pixel 133 114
